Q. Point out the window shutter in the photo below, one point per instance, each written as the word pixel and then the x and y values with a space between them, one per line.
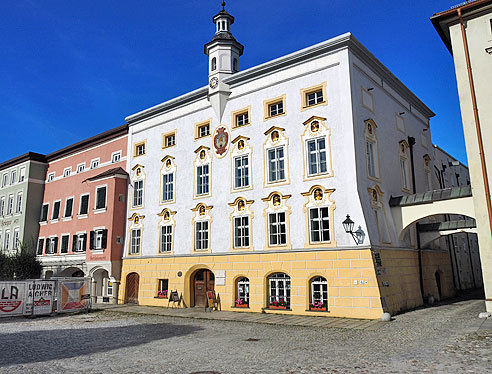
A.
pixel 56 245
pixel 105 238
pixel 40 246
pixel 91 243
pixel 85 242
pixel 74 243
pixel 47 247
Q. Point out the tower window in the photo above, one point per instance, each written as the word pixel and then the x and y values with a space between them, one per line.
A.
pixel 214 64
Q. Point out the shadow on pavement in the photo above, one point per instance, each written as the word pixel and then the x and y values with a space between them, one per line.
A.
pixel 44 345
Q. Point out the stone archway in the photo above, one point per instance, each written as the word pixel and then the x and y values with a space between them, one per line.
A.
pixel 72 272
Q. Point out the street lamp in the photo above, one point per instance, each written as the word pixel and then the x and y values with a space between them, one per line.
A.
pixel 348 225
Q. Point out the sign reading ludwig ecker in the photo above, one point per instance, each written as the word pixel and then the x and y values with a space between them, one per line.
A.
pixel 12 298
pixel 40 297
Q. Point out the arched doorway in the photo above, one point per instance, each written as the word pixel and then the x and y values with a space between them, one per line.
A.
pixel 132 281
pixel 100 280
pixel 72 272
pixel 203 281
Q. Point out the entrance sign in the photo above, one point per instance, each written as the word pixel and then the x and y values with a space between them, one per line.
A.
pixel 12 298
pixel 72 294
pixel 39 297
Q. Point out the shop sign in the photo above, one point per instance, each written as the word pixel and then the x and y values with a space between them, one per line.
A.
pixel 12 298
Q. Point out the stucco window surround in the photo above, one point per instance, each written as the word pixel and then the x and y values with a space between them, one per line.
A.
pixel 137 187
pixel 201 227
pixel 316 149
pixel 203 129
pixel 140 148
pixel 84 206
pixel 167 181
pixel 19 202
pixel 2 206
pixel 80 167
pixel 64 243
pixel 39 247
pixel 320 223
pixel 16 238
pixel 241 165
pixel 166 229
pixel 99 205
pixel 241 118
pixel 202 175
pixel 169 139
pixel 372 150
pixel 314 96
pixel 135 235
pixel 98 239
pixel 400 123
pixel 116 157
pixel 367 99
pixel 95 163
pixel 273 108
pixel 241 219
pixel 68 208
pixel 277 221
pixel 43 219
pixel 55 213
pixel 377 206
pixel 428 172
pixel 51 245
pixel 51 177
pixel 404 166
pixel 276 158
pixel 79 243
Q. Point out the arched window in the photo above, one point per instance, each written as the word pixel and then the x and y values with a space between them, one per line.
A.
pixel 242 293
pixel 319 294
pixel 234 65
pixel 214 64
pixel 279 291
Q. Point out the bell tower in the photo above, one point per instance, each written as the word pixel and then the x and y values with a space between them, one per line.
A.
pixel 223 53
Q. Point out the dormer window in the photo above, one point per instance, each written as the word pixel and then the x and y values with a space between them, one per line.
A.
pixel 214 64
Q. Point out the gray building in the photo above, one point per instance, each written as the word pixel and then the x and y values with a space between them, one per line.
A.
pixel 21 194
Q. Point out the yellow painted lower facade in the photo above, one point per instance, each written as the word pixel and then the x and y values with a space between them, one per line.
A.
pixel 355 284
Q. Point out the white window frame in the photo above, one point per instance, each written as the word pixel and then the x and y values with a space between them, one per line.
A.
pixel 80 168
pixel 81 245
pixel 96 209
pixel 22 174
pixel 242 119
pixel 51 177
pixel 6 240
pixel 278 225
pixel 276 161
pixel 135 241
pixel 98 238
pixel 404 173
pixel 202 133
pixel 317 152
pixel 166 239
pixel 53 211
pixel 88 205
pixel 13 177
pixel 47 212
pixel 2 206
pixel 165 190
pixel 316 99
pixel 203 180
pixel 61 243
pixel 5 179
pixel 65 207
pixel 323 290
pixel 67 172
pixel 274 281
pixel 320 219
pixel 242 290
pixel 241 231
pixel 10 204
pixel 95 163
pixel 52 250
pixel 276 108
pixel 202 235
pixel 18 202
pixel 138 193
pixel 115 157
pixel 243 171
pixel 372 161
pixel 16 238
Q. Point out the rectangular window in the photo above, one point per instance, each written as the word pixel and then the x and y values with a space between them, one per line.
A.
pixel 319 224
pixel 84 205
pixel 10 204
pixel 241 232
pixel 137 193
pixel 277 228
pixel 203 130
pixel 242 119
pixel 5 179
pixel 44 213
pixel 317 156
pixel 56 210
pixel 51 177
pixel 404 176
pixel 80 168
pixel 241 171
pixel 202 180
pixel 167 187
pixel 16 241
pixel 276 108
pixel 6 241
pixel 64 243
pixel 201 236
pixel 22 174
pixel 67 172
pixel 116 157
pixel 18 204
pixel 79 242
pixel 2 207
pixel 95 163
pixel 99 239
pixel 139 149
pixel 39 249
pixel 169 140
pixel 101 197
pixel 135 241
pixel 163 287
pixel 51 246
pixel 166 239
pixel 313 98
pixel 68 207
pixel 276 164
pixel 13 176
pixel 371 159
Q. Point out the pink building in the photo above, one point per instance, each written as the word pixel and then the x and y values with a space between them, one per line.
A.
pixel 82 223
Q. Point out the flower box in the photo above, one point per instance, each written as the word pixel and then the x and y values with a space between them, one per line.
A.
pixel 162 296
pixel 242 305
pixel 278 307
pixel 318 309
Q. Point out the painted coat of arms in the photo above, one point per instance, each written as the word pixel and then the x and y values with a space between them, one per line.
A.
pixel 221 141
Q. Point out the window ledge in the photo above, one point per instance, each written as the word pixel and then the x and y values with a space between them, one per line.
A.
pixel 82 216
pixel 240 307
pixel 65 219
pixel 288 309
pixel 317 311
pixel 97 251
pixel 164 298
pixel 54 221
pixel 42 223
pixel 101 210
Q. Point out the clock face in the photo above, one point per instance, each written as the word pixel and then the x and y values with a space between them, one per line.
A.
pixel 214 82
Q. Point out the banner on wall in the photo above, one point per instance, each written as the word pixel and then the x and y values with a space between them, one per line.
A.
pixel 12 298
pixel 73 294
pixel 39 297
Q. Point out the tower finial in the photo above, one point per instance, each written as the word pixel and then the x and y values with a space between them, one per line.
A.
pixel 223 5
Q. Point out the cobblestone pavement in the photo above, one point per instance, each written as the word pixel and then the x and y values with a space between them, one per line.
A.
pixel 441 339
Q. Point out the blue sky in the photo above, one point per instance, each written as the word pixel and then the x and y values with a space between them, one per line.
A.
pixel 72 69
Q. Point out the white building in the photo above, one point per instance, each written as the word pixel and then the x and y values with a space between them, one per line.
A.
pixel 241 187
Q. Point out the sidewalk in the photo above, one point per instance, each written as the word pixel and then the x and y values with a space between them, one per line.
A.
pixel 272 319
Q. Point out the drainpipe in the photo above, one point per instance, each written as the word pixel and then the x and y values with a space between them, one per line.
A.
pixel 477 120
pixel 411 143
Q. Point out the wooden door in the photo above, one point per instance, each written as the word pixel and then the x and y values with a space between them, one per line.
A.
pixel 132 281
pixel 204 281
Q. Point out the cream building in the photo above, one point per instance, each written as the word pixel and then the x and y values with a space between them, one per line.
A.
pixel 242 187
pixel 466 30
